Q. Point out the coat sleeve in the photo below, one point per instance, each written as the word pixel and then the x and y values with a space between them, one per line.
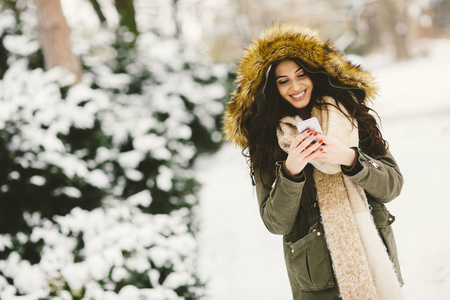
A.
pixel 380 177
pixel 279 205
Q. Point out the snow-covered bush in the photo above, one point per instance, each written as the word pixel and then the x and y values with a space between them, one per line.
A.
pixel 96 195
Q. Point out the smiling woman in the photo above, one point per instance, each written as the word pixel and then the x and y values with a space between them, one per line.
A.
pixel 318 195
pixel 294 85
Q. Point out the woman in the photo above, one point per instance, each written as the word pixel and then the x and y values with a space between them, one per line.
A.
pixel 325 193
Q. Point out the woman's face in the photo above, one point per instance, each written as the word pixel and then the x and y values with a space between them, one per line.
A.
pixel 293 84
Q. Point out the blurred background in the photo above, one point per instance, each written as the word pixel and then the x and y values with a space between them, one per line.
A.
pixel 114 179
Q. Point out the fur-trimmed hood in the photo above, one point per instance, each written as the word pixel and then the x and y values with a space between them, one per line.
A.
pixel 276 43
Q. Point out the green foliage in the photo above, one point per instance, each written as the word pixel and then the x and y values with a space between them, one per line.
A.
pixel 104 167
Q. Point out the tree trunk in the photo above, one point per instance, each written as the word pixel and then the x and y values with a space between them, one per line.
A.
pixel 125 8
pixel 374 27
pixel 396 19
pixel 98 11
pixel 176 18
pixel 54 34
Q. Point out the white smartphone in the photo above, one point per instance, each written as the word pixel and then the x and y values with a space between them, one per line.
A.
pixel 311 123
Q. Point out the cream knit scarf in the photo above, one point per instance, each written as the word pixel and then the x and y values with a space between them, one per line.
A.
pixel 360 261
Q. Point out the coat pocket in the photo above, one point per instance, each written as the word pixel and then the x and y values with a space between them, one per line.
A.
pixel 381 216
pixel 383 220
pixel 309 263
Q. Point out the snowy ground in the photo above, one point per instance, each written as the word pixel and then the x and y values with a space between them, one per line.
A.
pixel 242 260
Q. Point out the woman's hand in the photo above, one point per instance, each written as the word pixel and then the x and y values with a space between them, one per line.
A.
pixel 302 150
pixel 335 152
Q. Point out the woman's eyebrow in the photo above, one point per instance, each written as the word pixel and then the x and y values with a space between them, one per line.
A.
pixel 299 69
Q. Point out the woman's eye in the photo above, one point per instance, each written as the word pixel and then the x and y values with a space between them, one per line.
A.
pixel 301 75
pixel 282 82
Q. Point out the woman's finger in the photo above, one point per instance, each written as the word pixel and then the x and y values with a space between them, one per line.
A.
pixel 308 142
pixel 302 136
pixel 313 147
pixel 322 137
pixel 315 154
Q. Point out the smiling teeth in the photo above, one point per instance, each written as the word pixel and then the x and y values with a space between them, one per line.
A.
pixel 298 95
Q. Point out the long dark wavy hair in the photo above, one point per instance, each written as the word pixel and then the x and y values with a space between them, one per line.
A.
pixel 263 150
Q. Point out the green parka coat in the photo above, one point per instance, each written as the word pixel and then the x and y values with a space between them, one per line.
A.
pixel 290 207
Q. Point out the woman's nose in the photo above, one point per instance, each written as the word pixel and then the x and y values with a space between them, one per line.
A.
pixel 296 86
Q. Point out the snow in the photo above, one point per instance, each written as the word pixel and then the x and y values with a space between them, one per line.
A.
pixel 143 198
pixel 242 260
pixel 175 280
pixel 108 232
pixel 37 180
pixel 7 21
pixel 5 242
pixel 96 252
pixel 20 45
pixel 98 178
pixel 130 159
pixel 164 178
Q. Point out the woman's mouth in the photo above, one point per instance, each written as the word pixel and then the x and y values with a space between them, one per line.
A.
pixel 299 96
